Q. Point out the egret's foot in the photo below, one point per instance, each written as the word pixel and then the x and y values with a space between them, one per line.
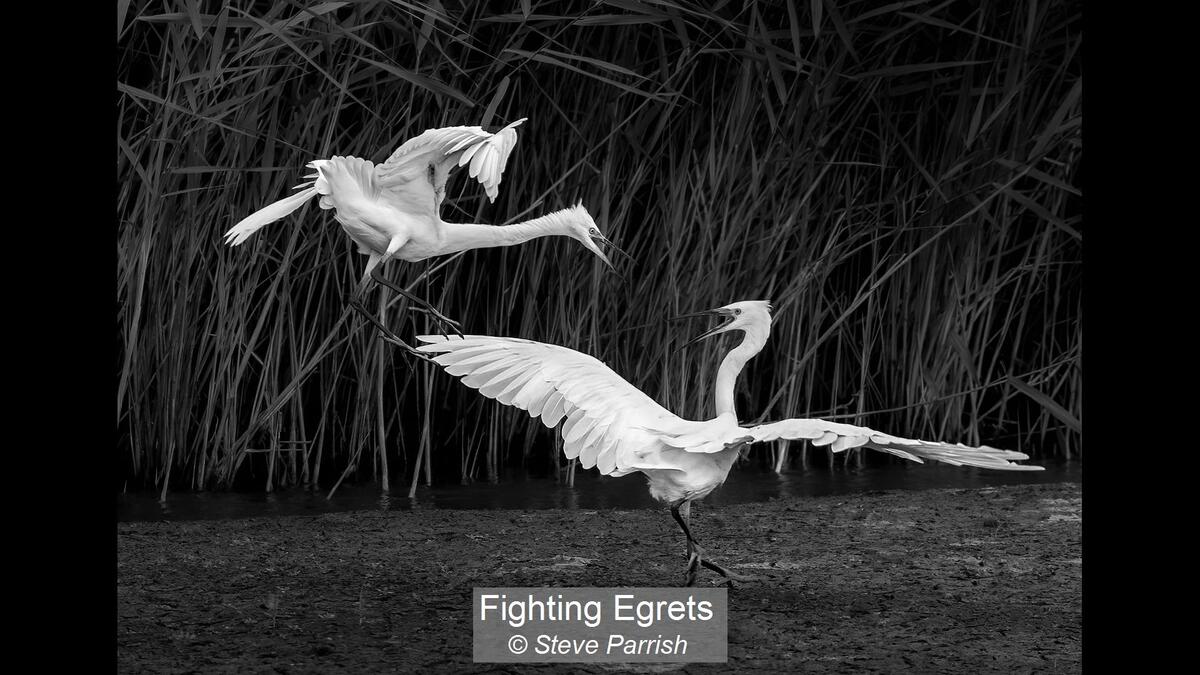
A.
pixel 423 305
pixel 733 576
pixel 456 328
pixel 412 351
pixel 726 582
pixel 443 322
pixel 696 560
pixel 387 335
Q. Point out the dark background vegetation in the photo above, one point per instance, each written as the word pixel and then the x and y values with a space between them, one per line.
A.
pixel 900 179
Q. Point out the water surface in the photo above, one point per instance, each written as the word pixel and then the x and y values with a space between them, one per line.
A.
pixel 591 491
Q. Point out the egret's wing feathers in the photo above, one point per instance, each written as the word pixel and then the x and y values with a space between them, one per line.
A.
pixel 343 181
pixel 609 423
pixel 844 436
pixel 404 179
pixel 338 181
pixel 269 214
pixel 613 425
pixel 447 148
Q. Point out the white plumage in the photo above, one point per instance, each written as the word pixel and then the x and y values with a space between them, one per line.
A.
pixel 614 426
pixel 371 201
pixel 609 423
pixel 453 147
pixel 393 209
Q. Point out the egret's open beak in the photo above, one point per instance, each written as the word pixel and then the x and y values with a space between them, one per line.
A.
pixel 600 254
pixel 601 239
pixel 708 312
pixel 608 242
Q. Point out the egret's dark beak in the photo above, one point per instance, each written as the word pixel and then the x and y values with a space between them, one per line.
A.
pixel 601 239
pixel 707 312
pixel 600 254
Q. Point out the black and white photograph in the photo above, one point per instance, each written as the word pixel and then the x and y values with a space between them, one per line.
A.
pixel 599 336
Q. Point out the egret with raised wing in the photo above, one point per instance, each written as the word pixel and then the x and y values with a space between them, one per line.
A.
pixel 392 210
pixel 615 427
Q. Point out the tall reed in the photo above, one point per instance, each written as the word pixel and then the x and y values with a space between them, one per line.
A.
pixel 899 179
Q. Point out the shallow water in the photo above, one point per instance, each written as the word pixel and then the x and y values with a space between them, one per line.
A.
pixel 591 491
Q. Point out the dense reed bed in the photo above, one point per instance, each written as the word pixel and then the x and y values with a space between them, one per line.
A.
pixel 901 180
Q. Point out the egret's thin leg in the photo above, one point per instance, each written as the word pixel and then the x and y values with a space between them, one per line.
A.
pixel 695 552
pixel 684 526
pixel 372 262
pixel 377 275
pixel 693 548
pixel 387 334
pixel 425 274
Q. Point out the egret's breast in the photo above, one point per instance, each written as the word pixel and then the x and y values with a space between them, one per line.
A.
pixel 369 239
pixel 424 241
pixel 693 476
pixel 374 225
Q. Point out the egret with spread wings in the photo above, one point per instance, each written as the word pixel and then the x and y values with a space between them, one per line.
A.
pixel 615 427
pixel 392 210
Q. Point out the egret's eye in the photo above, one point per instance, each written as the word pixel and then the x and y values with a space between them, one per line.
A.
pixel 737 312
pixel 593 231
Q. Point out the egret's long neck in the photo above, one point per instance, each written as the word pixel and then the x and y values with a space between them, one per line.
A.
pixel 734 361
pixel 462 236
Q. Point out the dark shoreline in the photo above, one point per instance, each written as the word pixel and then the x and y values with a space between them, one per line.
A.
pixel 590 492
pixel 959 580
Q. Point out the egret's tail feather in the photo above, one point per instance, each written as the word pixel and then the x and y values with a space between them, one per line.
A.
pixel 268 214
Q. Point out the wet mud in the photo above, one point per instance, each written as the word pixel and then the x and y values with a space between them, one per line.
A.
pixel 935 581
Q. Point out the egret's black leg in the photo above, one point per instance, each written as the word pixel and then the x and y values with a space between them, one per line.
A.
pixel 387 334
pixel 361 291
pixel 377 275
pixel 695 553
pixel 692 546
pixel 425 274
pixel 679 519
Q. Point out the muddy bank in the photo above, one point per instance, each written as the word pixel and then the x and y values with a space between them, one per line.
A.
pixel 983 580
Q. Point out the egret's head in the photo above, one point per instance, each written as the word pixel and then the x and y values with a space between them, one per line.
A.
pixel 582 226
pixel 750 316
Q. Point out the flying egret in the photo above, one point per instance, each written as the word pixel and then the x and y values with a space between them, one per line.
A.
pixel 614 426
pixel 392 210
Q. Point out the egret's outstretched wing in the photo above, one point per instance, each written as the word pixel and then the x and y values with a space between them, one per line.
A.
pixel 845 436
pixel 408 168
pixel 339 181
pixel 268 214
pixel 610 423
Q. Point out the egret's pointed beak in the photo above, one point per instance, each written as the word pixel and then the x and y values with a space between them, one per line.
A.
pixel 600 254
pixel 599 238
pixel 708 312
pixel 589 243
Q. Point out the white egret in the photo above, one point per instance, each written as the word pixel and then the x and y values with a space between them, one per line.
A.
pixel 392 210
pixel 612 425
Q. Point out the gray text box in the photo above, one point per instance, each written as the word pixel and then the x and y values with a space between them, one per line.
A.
pixel 591 625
